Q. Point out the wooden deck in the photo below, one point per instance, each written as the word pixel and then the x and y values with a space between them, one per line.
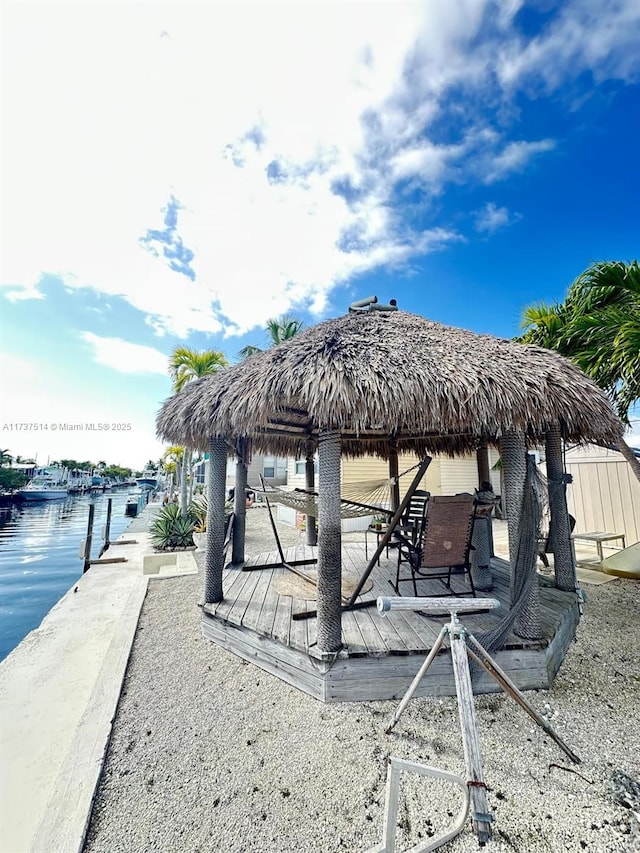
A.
pixel 380 655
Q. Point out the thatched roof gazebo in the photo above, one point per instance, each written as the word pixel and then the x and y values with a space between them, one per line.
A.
pixel 381 382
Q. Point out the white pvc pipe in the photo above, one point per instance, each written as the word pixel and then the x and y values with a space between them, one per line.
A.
pixel 436 605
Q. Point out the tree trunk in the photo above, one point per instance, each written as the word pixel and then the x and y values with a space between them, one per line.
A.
pixel 628 454
pixel 186 460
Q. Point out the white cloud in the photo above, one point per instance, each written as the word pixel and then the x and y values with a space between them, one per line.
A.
pixel 203 99
pixel 514 157
pixel 492 218
pixel 586 35
pixel 37 406
pixel 126 357
pixel 633 434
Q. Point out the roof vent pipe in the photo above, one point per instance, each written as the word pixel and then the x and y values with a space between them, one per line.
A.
pixel 363 304
pixel 371 304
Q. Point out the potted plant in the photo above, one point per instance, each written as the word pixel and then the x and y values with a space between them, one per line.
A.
pixel 379 522
pixel 198 511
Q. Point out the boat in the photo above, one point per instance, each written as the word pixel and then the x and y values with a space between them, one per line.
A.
pixel 148 481
pixel 47 484
pixel 79 482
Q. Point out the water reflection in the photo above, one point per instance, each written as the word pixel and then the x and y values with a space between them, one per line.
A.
pixel 46 537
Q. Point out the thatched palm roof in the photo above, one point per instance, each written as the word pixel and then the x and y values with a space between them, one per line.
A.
pixel 376 375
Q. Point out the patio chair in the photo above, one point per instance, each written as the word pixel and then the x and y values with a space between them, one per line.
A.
pixel 445 544
pixel 408 534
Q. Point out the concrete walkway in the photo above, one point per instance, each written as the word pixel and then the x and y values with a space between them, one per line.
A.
pixel 59 691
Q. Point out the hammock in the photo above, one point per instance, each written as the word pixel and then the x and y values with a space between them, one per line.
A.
pixel 306 501
pixel 358 499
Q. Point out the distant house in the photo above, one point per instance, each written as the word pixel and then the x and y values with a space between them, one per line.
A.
pixel 272 468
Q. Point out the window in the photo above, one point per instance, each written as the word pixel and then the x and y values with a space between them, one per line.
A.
pixel 301 465
pixel 274 466
pixel 269 466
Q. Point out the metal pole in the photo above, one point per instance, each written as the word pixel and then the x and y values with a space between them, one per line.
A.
pixel 87 541
pixel 107 529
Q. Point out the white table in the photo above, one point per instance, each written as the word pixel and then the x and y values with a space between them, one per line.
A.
pixel 598 537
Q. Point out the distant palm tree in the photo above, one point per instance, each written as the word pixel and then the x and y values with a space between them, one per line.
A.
pixel 185 366
pixel 171 464
pixel 5 457
pixel 278 329
pixel 598 327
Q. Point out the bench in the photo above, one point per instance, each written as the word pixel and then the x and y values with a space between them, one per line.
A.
pixel 598 537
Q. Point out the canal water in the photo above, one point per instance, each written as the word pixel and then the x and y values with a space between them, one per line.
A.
pixel 39 562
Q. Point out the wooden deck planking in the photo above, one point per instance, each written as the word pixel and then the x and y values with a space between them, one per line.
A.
pixel 380 654
pixel 235 614
pixel 235 587
pixel 281 629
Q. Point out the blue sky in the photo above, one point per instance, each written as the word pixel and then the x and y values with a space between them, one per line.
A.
pixel 178 173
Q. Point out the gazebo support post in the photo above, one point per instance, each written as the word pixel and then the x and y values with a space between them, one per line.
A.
pixel 214 558
pixel 559 527
pixel 482 460
pixel 310 484
pixel 393 475
pixel 329 544
pixel 240 502
pixel 514 456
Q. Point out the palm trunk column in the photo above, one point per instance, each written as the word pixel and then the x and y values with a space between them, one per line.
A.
pixel 482 461
pixel 214 555
pixel 393 476
pixel 329 545
pixel 240 502
pixel 310 483
pixel 559 527
pixel 514 456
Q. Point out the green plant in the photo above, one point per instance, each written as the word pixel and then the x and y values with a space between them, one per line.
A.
pixel 11 479
pixel 199 509
pixel 171 530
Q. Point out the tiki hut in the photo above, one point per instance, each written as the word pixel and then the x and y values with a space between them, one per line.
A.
pixel 382 382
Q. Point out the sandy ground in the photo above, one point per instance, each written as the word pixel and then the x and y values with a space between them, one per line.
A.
pixel 210 753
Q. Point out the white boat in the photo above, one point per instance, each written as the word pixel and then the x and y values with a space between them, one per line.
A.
pixel 48 484
pixel 148 482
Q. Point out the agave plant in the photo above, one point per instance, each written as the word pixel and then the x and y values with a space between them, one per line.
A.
pixel 171 530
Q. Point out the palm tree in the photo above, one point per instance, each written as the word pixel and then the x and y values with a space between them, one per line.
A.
pixel 598 327
pixel 171 462
pixel 278 329
pixel 186 365
pixel 5 457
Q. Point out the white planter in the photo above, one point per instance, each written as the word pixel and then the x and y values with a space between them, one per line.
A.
pixel 200 541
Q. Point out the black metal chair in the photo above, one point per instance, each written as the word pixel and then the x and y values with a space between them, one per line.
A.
pixel 408 534
pixel 445 543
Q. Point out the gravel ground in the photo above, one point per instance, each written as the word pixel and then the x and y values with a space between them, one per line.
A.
pixel 210 753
